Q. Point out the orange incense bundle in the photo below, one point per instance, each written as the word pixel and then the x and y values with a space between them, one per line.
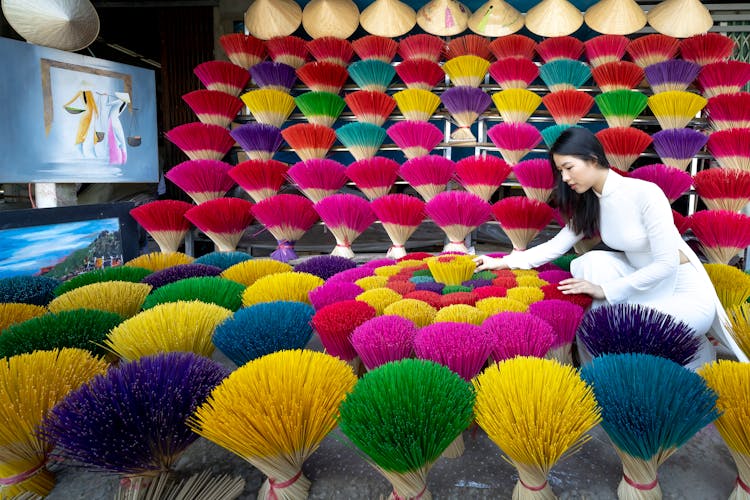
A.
pixel 291 50
pixel 200 141
pixel 374 176
pixel 559 47
pixel 202 180
pixel 723 188
pixel 513 46
pixel 652 49
pixel 522 219
pixel 567 107
pixel 331 49
pixel 323 76
pixel 318 178
pixel 422 46
pixel 222 76
pixel 223 220
pixel 604 49
pixel 471 44
pixel 165 221
pixel 309 140
pixel 619 75
pixel 260 179
pixel 213 107
pixel 457 213
pixel 375 47
pixel 623 146
pixel 243 50
pixel 482 175
pixel 420 73
pixel 400 215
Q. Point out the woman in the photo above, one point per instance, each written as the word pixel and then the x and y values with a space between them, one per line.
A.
pixel 651 264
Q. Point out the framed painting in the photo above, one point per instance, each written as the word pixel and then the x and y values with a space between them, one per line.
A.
pixel 63 242
pixel 73 118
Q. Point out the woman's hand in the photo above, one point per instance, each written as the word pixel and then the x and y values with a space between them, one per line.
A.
pixel 574 285
pixel 485 263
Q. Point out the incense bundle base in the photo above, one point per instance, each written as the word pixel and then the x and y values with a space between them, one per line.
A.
pixel 639 478
pixel 408 485
pixel 296 487
pixel 531 485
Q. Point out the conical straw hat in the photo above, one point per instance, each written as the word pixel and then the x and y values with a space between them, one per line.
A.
pixel 266 19
pixel 615 17
pixel 389 18
pixel 680 18
pixel 443 17
pixel 496 18
pixel 60 24
pixel 554 18
pixel 339 18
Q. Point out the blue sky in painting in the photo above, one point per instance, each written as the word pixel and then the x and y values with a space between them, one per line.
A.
pixel 23 251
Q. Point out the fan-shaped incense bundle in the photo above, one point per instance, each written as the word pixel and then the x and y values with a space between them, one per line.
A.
pixel 263 329
pixel 428 175
pixel 171 327
pixel 674 183
pixel 514 140
pixel 373 176
pixel 309 141
pixel 725 77
pixel 323 76
pixel 567 107
pixel 647 422
pixel 331 49
pixel 471 44
pixel 383 339
pixel 371 74
pixel 250 271
pixel 513 72
pixel 731 148
pixel 165 221
pixel 201 141
pixel 466 71
pixel 117 273
pixel 536 178
pixel 404 436
pixel 451 269
pixel 537 411
pixel 120 297
pixel 516 105
pixel 722 234
pixel 623 145
pixel 604 49
pixel 457 213
pixel 262 430
pixel 552 133
pixel 202 180
pixel 269 106
pixel 522 218
pixel 466 105
pixel 243 50
pixel 32 384
pixel 318 178
pixel 324 266
pixel 259 140
pixel 723 189
pixel 208 289
pixel 156 261
pixel 677 147
pixel 421 46
pixel 518 334
pixel 482 175
pixel 213 107
pixel 620 75
pixel 286 286
pixel 621 107
pixel 15 313
pixel 564 318
pixel 652 49
pixel 415 138
pixel 728 111
pixel 400 215
pixel 370 106
pixel 223 220
pixel 346 216
pixel 287 217
pixel 564 74
pixel 416 104
pixel 672 75
pixel 420 73
pixel 375 47
pixel 222 76
pixel 732 285
pixel 363 140
pixel 675 109
pixel 513 46
pixel 131 420
pixel 320 108
pixel 274 75
pixel 291 50
pixel 559 47
pixel 180 272
pixel 260 179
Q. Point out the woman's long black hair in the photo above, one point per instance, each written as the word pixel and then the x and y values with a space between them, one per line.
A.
pixel 580 210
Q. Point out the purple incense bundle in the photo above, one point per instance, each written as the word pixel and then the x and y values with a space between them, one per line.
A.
pixel 274 75
pixel 518 334
pixel 633 328
pixel 259 140
pixel 384 339
pixel 131 420
pixel 466 105
pixel 677 147
pixel 674 74
pixel 180 272
pixel 564 318
pixel 431 286
pixel 325 266
pixel 333 292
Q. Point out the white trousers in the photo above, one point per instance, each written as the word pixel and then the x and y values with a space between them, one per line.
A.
pixel 687 301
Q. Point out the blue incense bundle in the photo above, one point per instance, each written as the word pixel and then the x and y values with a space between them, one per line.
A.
pixel 466 105
pixel 564 74
pixel 363 140
pixel 551 133
pixel 259 140
pixel 36 290
pixel 274 75
pixel 222 260
pixel 372 74
pixel 325 266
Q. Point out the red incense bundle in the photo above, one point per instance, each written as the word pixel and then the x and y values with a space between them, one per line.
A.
pixel 727 111
pixel 722 234
pixel 559 47
pixel 514 72
pixel 468 45
pixel 370 106
pixel 604 49
pixel 731 148
pixel 222 76
pixel 723 77
pixel 652 49
pixel 291 50
pixel 261 179
pixel 202 180
pixel 213 107
pixel 428 175
pixel 623 145
pixel 331 49
pixel 420 73
pixel 375 47
pixel 165 221
pixel 723 188
pixel 421 46
pixel 309 140
pixel 513 46
pixel 482 175
pixel 522 219
pixel 620 75
pixel 223 220
pixel 323 76
pixel 200 141
pixel 457 213
pixel 567 107
pixel 243 50
pixel 400 215
pixel 707 48
pixel 374 176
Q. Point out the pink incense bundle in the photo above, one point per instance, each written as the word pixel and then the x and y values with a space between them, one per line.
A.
pixel 383 339
pixel 457 213
pixel 727 111
pixel 287 217
pixel 462 347
pixel 514 140
pixel 222 76
pixel 373 176
pixel 681 222
pixel 428 175
pixel 318 178
pixel 331 49
pixel 370 106
pixel 333 292
pixel 619 75
pixel 723 188
pixel 673 182
pixel 564 318
pixel 223 220
pixel 400 215
pixel 421 46
pixel 260 179
pixel 243 50
pixel 420 73
pixel 652 49
pixel 291 50
pixel 375 47
pixel 200 141
pixel 468 45
pixel 567 107
pixel 522 219
pixel 415 138
pixel 202 180
pixel 514 72
pixel 707 48
pixel 536 178
pixel 559 47
pixel 513 46
pixel 309 140
pixel 346 216
pixel 604 49
pixel 623 145
pixel 482 175
pixel 323 76
pixel 723 77
pixel 165 221
pixel 721 233
pixel 731 148
pixel 335 323
pixel 213 107
pixel 518 334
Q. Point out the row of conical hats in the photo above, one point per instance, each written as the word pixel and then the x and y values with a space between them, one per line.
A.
pixel 391 18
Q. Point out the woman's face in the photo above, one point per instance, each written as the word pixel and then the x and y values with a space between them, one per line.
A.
pixel 580 175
